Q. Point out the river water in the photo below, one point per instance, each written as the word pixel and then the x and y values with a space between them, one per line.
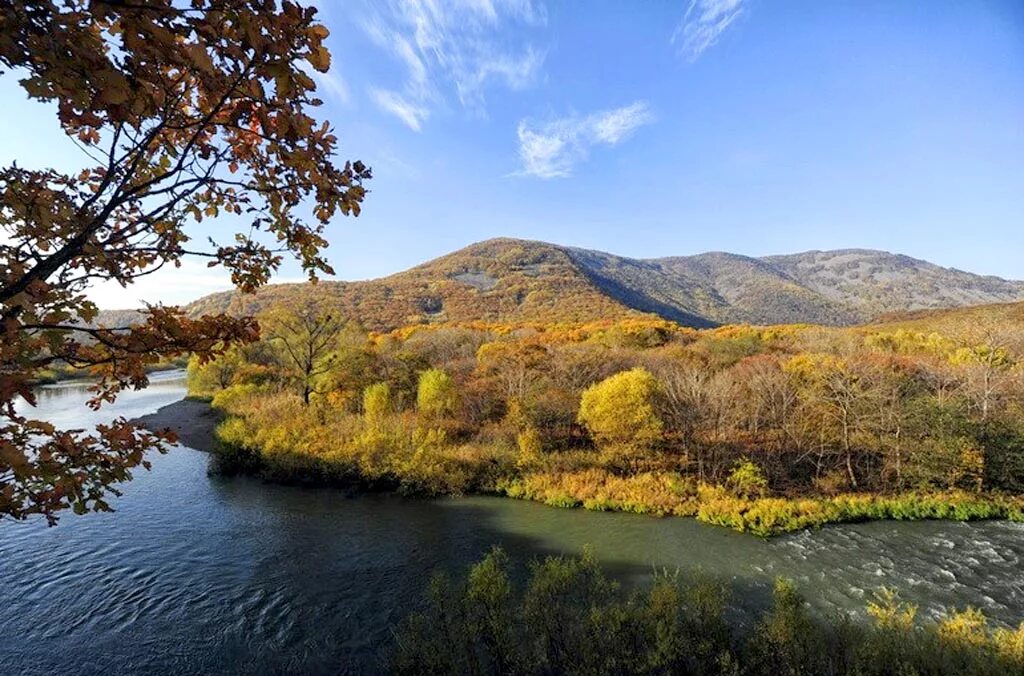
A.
pixel 200 574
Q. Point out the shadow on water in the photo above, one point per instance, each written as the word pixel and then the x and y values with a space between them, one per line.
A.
pixel 197 574
pixel 362 574
pixel 336 574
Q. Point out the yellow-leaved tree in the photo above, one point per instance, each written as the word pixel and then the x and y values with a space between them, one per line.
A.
pixel 376 403
pixel 620 413
pixel 436 396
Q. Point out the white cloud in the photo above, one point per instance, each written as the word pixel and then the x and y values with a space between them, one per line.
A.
pixel 518 72
pixel 547 153
pixel 411 114
pixel 333 84
pixel 552 150
pixel 614 125
pixel 452 45
pixel 703 23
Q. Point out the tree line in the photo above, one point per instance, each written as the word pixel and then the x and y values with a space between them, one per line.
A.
pixel 782 411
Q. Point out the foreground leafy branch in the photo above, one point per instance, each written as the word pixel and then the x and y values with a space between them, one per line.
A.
pixel 183 112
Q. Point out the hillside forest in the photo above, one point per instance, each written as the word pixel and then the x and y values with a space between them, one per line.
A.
pixel 762 429
pixel 512 281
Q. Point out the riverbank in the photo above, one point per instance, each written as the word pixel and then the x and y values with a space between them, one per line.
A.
pixel 69 375
pixel 195 422
pixel 656 494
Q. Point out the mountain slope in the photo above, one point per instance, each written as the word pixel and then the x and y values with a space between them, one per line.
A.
pixel 822 287
pixel 978 319
pixel 515 280
pixel 496 280
pixel 882 282
pixel 726 288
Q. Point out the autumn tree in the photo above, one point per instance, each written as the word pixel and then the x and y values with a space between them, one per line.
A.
pixel 183 112
pixel 684 380
pixel 307 338
pixel 767 395
pixel 355 364
pixel 747 480
pixel 620 413
pixel 516 365
pixel 376 403
pixel 987 372
pixel 576 366
pixel 836 392
pixel 398 366
pixel 436 395
pixel 216 374
pixel 445 345
pixel 896 382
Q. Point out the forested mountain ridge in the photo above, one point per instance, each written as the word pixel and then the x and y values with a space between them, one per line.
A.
pixel 495 280
pixel 717 288
pixel 842 287
pixel 885 282
pixel 517 280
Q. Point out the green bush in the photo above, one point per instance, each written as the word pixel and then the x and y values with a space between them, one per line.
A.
pixel 569 618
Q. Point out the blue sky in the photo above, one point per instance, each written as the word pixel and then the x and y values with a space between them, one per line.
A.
pixel 663 128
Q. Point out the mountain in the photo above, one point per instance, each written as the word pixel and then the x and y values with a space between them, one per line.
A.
pixel 495 280
pixel 842 287
pixel 715 288
pixel 977 318
pixel 518 280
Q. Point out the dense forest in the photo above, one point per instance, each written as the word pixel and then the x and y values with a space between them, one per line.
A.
pixel 762 429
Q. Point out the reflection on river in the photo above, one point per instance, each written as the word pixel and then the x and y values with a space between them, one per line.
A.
pixel 200 574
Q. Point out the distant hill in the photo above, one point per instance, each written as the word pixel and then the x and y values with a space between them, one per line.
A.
pixel 955 320
pixel 496 280
pixel 841 287
pixel 113 319
pixel 517 280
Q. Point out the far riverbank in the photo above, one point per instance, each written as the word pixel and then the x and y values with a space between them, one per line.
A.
pixel 195 422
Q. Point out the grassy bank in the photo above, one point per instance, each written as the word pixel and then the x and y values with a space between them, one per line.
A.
pixel 666 494
pixel 569 618
pixel 281 439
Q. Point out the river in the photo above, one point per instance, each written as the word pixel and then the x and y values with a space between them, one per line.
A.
pixel 196 573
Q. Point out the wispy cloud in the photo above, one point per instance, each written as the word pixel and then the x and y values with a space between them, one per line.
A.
pixel 703 23
pixel 332 83
pixel 455 47
pixel 410 113
pixel 553 149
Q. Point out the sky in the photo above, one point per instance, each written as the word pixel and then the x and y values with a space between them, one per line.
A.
pixel 660 128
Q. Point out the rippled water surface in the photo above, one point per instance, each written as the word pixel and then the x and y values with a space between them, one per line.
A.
pixel 200 574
